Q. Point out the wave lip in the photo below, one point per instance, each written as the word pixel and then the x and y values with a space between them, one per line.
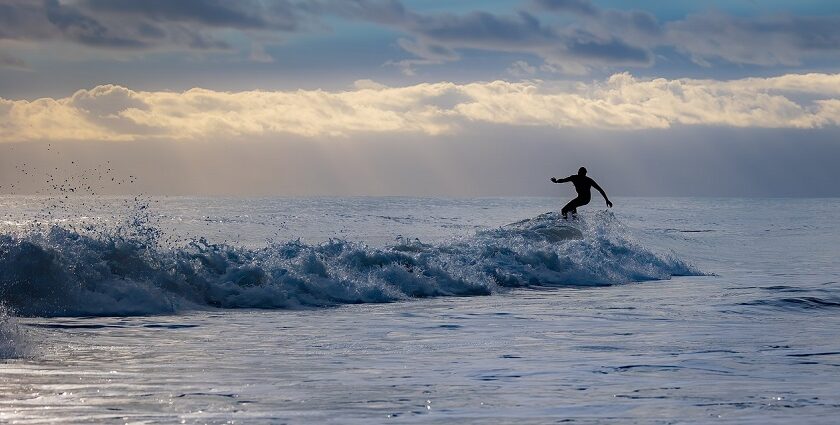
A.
pixel 59 272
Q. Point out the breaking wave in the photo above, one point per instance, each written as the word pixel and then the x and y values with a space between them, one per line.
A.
pixel 62 272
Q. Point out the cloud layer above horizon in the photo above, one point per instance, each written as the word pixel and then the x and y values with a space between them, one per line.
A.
pixel 622 102
pixel 551 36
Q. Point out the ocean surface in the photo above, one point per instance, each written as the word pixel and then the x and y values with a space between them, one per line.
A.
pixel 409 310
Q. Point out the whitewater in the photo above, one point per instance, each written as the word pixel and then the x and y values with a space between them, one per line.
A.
pixel 418 310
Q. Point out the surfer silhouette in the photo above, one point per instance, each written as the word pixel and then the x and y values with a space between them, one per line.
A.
pixel 583 186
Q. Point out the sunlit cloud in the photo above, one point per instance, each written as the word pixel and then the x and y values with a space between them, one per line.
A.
pixel 622 102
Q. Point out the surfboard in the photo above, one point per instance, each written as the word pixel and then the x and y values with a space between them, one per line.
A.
pixel 548 227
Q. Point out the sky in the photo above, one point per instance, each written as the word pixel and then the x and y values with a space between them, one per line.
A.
pixel 421 97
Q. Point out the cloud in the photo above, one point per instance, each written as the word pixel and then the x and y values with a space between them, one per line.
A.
pixel 10 61
pixel 755 40
pixel 75 25
pixel 437 38
pixel 592 37
pixel 25 20
pixel 621 102
pixel 568 36
pixel 580 7
pixel 521 69
pixel 149 24
pixel 602 40
pixel 242 14
pixel 51 20
pixel 764 40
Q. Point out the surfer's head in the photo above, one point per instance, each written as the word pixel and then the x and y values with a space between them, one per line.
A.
pixel 582 171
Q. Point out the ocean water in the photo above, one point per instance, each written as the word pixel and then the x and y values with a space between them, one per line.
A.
pixel 405 310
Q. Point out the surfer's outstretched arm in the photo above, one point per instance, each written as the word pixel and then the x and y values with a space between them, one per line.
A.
pixel 604 194
pixel 556 180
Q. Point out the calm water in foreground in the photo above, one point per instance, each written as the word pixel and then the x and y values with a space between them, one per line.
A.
pixel 402 310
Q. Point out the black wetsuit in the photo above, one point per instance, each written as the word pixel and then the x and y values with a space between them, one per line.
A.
pixel 583 186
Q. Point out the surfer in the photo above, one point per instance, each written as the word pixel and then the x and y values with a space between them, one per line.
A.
pixel 583 186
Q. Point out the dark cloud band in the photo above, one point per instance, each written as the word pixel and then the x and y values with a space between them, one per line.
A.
pixel 586 36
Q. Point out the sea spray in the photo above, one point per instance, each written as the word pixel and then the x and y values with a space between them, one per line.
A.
pixel 12 338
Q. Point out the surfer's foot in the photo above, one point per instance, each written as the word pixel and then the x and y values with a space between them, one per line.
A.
pixel 565 217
